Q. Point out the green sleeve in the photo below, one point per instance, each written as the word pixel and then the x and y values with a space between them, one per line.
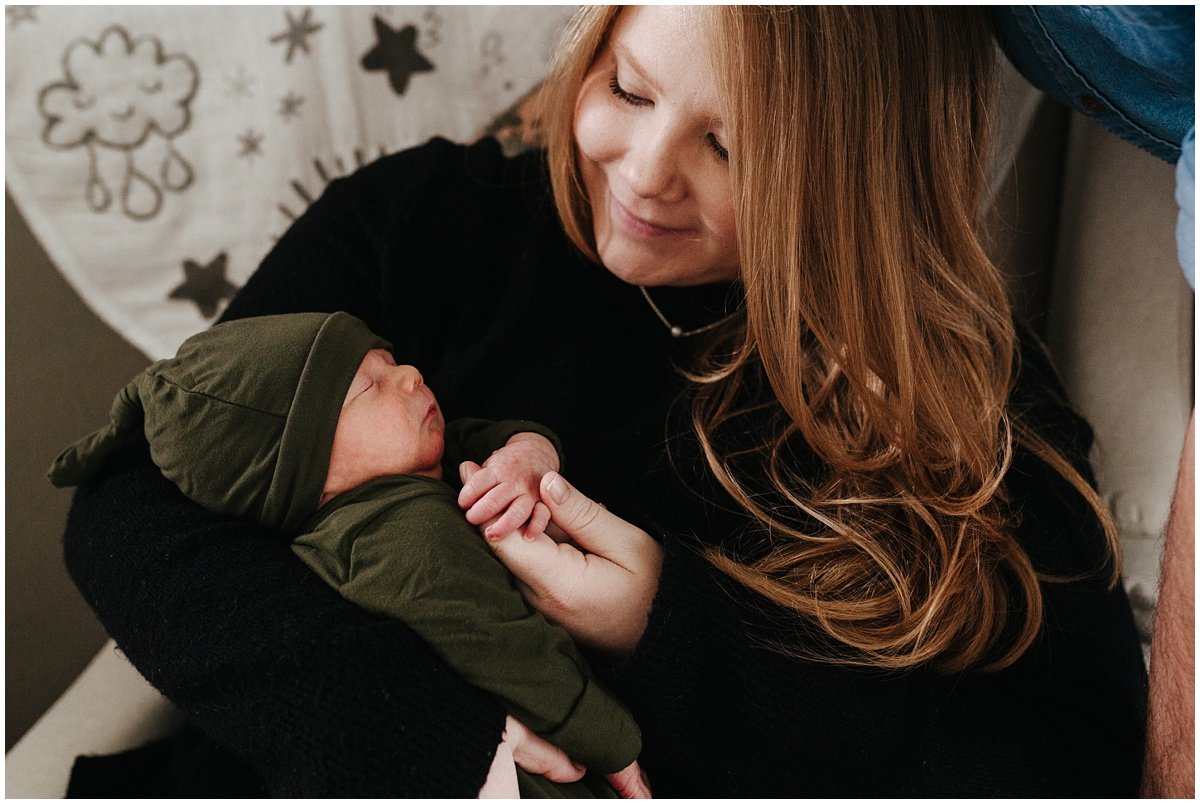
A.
pixel 476 440
pixel 421 562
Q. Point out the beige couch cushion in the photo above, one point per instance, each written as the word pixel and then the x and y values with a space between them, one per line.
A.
pixel 1120 326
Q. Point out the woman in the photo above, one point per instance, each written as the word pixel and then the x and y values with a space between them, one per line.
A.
pixel 876 566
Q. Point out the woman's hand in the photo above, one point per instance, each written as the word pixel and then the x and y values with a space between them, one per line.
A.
pixel 630 782
pixel 600 587
pixel 521 746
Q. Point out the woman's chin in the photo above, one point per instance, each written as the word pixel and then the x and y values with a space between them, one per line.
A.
pixel 631 274
pixel 660 275
pixel 640 269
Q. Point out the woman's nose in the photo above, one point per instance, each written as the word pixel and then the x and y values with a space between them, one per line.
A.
pixel 650 168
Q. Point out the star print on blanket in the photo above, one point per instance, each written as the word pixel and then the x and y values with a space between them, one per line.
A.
pixel 158 151
pixel 205 284
pixel 396 52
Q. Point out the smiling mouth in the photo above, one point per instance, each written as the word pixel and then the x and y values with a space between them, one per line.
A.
pixel 640 226
pixel 125 115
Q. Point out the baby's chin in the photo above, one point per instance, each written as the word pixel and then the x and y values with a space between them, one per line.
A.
pixel 434 457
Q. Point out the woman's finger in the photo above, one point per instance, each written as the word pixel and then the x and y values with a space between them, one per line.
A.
pixel 542 568
pixel 535 755
pixel 554 531
pixel 630 782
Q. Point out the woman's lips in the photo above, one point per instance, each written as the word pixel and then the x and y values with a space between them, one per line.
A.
pixel 640 226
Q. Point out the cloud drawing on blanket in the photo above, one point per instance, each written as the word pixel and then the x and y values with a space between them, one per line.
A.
pixel 126 95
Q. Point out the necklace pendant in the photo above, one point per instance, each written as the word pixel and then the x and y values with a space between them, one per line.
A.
pixel 676 330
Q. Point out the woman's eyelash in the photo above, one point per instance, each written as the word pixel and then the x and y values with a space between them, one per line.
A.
pixel 615 88
pixel 717 148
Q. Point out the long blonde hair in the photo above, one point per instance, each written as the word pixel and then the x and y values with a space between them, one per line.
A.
pixel 881 326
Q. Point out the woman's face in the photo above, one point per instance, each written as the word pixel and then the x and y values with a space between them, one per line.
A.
pixel 652 152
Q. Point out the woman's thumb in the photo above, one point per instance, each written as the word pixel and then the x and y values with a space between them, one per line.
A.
pixel 587 522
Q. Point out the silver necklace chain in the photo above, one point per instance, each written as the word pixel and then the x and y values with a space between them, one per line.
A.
pixel 676 330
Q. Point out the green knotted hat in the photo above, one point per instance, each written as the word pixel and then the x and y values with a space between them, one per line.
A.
pixel 242 418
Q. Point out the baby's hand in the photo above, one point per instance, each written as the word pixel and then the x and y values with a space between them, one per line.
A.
pixel 505 488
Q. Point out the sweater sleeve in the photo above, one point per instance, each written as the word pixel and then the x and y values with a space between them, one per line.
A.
pixel 224 620
pixel 419 561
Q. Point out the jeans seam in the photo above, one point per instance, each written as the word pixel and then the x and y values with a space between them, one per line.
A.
pixel 1064 69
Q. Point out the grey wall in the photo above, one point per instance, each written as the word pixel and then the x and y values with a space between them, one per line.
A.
pixel 62 368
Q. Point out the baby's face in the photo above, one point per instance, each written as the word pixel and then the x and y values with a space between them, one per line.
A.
pixel 390 424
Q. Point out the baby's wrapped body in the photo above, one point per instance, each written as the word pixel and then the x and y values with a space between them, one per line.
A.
pixel 305 423
pixel 400 546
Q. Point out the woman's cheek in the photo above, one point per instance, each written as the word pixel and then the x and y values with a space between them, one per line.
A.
pixel 595 128
pixel 717 209
pixel 725 226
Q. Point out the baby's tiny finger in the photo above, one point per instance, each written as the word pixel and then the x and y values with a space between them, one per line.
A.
pixel 479 481
pixel 492 504
pixel 512 519
pixel 538 521
pixel 466 470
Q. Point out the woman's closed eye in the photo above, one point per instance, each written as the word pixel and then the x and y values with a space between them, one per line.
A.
pixel 615 86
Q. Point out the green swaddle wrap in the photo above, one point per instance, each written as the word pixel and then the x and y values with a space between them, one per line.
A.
pixel 242 418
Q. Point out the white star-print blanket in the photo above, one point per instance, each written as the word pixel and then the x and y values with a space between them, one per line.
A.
pixel 158 151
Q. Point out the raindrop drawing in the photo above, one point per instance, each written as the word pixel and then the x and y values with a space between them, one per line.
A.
pixel 123 94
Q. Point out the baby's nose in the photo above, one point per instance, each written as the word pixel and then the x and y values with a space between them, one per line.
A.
pixel 411 378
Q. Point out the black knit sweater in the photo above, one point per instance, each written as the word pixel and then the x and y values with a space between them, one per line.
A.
pixel 455 255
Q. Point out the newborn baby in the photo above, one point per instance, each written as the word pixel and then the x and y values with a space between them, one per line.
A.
pixel 305 423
